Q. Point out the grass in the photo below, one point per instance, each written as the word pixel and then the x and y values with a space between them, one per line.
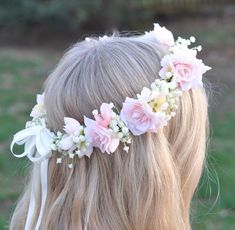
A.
pixel 21 76
pixel 22 73
pixel 215 201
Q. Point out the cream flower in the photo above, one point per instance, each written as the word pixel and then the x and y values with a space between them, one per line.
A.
pixel 162 35
pixel 39 109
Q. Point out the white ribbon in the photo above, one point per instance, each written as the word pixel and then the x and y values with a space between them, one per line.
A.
pixel 31 208
pixel 32 202
pixel 37 142
pixel 44 169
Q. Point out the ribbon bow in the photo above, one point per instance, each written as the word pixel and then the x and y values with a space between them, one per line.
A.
pixel 37 141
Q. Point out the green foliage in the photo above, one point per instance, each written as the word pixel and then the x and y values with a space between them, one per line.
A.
pixel 63 13
pixel 76 15
pixel 66 15
pixel 20 77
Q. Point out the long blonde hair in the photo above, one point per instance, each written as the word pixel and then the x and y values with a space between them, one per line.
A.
pixel 150 187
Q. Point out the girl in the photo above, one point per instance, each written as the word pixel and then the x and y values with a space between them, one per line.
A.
pixel 118 138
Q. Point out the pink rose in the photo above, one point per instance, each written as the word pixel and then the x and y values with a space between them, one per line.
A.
pixel 163 35
pixel 105 115
pixel 139 117
pixel 99 136
pixel 186 69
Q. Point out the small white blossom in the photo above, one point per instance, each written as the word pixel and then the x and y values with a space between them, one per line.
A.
pixel 169 74
pixel 115 128
pixel 192 39
pixel 82 138
pixel 199 48
pixel 78 152
pixel 71 155
pixel 128 141
pixel 76 139
pixel 113 115
pixel 125 130
pixel 113 123
pixel 58 160
pixel 70 166
pixel 126 148
pixel 120 135
pixel 95 112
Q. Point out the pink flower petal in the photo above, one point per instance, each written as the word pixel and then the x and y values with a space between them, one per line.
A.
pixel 71 125
pixel 114 142
pixel 105 115
pixel 66 143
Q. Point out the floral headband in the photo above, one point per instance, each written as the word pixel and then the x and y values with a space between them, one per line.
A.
pixel 149 111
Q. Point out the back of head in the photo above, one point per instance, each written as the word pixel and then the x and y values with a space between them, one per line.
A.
pixel 152 185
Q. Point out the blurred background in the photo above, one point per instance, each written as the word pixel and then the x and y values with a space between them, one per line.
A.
pixel 34 35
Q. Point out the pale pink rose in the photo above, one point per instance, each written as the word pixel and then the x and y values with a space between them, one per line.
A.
pixel 163 35
pixel 71 125
pixel 186 69
pixel 105 115
pixel 139 117
pixel 100 137
pixel 39 109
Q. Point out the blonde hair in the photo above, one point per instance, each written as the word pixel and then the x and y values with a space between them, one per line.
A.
pixel 150 187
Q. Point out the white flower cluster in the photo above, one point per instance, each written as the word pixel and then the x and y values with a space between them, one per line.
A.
pixel 56 141
pixel 118 127
pixel 182 45
pixel 70 145
pixel 162 98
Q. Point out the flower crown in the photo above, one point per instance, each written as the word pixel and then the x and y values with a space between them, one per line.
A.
pixel 148 112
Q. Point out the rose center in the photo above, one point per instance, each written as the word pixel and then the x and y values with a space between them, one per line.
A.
pixel 183 70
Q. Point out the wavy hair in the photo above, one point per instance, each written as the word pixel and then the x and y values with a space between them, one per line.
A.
pixel 151 186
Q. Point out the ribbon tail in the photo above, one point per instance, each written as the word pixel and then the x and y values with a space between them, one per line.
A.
pixel 43 172
pixel 31 208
